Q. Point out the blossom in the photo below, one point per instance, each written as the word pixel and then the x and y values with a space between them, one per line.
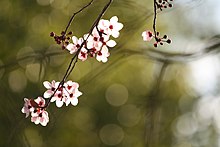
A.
pixel 83 54
pixel 111 27
pixel 27 108
pixel 93 41
pixel 73 47
pixel 147 35
pixel 39 115
pixel 59 98
pixel 51 87
pixel 36 108
pixel 72 92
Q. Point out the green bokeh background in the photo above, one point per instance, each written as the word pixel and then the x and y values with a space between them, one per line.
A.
pixel 119 95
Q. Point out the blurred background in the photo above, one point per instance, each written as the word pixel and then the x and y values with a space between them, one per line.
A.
pixel 163 97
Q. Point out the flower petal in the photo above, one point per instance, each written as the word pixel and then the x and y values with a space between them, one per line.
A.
pixel 48 94
pixel 111 43
pixel 74 101
pixel 114 19
pixel 75 40
pixel 47 84
pixel 59 103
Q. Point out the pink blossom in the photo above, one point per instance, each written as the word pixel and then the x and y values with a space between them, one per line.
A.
pixel 111 27
pixel 72 93
pixel 27 108
pixel 73 47
pixel 83 54
pixel 51 87
pixel 147 35
pixel 94 40
pixel 59 98
pixel 39 115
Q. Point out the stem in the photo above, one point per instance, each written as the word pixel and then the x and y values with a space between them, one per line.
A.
pixel 74 14
pixel 155 18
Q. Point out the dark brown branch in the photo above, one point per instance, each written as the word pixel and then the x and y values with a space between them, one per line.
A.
pixel 155 18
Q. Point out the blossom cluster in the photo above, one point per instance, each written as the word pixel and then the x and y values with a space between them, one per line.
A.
pixel 56 92
pixel 163 4
pixel 148 35
pixel 93 44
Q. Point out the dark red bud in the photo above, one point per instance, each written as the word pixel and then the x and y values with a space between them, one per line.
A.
pixel 52 34
pixel 169 41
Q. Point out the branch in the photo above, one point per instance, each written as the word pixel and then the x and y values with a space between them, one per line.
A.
pixel 72 63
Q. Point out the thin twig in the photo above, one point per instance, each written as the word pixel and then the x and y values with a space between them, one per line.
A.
pixel 155 18
pixel 74 14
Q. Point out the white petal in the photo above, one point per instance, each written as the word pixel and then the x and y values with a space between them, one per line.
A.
pixel 57 84
pixel 104 59
pixel 115 34
pixel 105 50
pixel 114 19
pixel 118 27
pixel 48 94
pixel 74 101
pixel 53 99
pixel 47 84
pixel 75 40
pixel 59 103
pixel 99 58
pixel 111 43
pixel 70 47
pixel 78 93
pixel 67 102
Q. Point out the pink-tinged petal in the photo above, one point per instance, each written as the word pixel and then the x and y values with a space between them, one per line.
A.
pixel 48 94
pixel 59 103
pixel 114 19
pixel 44 119
pixel 75 40
pixel 47 84
pixel 111 43
pixel 73 50
pixel 83 54
pixel 74 101
pixel 26 111
pixel 147 35
pixel 35 120
pixel 105 51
